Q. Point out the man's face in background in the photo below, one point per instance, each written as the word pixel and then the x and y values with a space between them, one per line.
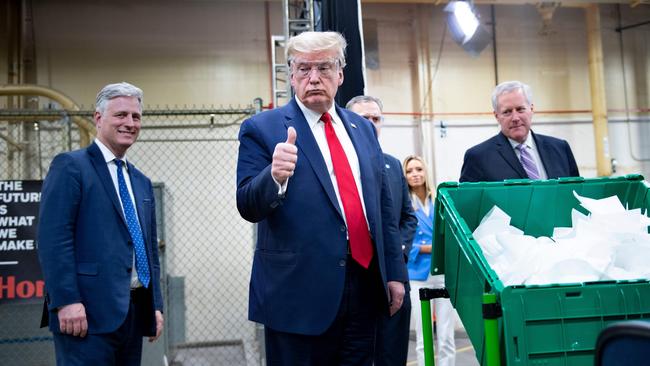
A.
pixel 369 111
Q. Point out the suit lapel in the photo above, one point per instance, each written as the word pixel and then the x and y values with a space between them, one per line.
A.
pixel 424 219
pixel 97 160
pixel 508 154
pixel 307 144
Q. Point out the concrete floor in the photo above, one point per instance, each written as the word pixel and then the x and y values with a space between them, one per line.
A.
pixel 464 350
pixel 219 354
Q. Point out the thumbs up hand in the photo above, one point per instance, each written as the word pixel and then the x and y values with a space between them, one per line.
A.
pixel 285 157
pixel 291 136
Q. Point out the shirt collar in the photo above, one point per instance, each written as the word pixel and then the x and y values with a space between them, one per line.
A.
pixel 107 153
pixel 313 117
pixel 529 142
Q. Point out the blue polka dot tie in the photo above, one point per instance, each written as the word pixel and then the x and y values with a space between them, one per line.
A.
pixel 141 263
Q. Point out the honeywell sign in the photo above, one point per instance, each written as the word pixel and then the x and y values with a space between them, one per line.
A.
pixel 20 272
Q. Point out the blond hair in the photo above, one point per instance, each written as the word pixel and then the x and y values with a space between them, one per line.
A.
pixel 427 185
pixel 308 42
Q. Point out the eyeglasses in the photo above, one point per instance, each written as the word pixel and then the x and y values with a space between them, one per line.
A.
pixel 374 119
pixel 325 69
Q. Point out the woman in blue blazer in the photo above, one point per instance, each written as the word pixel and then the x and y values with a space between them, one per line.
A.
pixel 419 266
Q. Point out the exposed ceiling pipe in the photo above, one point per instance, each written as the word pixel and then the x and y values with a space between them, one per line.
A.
pixel 546 11
pixel 495 56
pixel 86 127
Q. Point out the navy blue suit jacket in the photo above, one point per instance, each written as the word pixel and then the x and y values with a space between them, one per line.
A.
pixel 84 246
pixel 402 207
pixel 299 264
pixel 495 160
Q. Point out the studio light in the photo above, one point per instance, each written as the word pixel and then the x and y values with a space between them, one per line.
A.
pixel 465 27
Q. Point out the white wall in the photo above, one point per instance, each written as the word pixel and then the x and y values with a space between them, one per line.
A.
pixel 180 52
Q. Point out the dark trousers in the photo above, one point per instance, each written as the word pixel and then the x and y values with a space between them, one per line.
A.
pixel 350 338
pixel 121 347
pixel 392 342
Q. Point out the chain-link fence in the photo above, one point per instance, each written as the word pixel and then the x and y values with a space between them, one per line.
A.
pixel 206 248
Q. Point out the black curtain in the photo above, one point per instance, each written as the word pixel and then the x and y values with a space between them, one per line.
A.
pixel 342 16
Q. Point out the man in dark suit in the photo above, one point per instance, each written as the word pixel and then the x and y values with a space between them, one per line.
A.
pixel 517 152
pixel 328 254
pixel 97 243
pixel 392 339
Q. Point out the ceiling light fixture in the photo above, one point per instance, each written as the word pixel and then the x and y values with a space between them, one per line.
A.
pixel 465 27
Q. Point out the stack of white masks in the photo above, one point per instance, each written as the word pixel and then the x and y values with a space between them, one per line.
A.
pixel 612 243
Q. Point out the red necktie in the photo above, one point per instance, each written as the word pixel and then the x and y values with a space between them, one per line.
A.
pixel 358 234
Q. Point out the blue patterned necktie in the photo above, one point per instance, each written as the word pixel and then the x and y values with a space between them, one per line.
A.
pixel 527 162
pixel 141 263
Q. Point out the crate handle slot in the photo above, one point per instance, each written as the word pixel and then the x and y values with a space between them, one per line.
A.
pixel 516 342
pixel 573 294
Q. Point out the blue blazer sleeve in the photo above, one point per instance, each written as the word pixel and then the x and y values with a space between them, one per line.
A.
pixel 402 208
pixel 61 195
pixel 394 257
pixel 257 192
pixel 408 222
pixel 472 169
pixel 153 244
pixel 573 166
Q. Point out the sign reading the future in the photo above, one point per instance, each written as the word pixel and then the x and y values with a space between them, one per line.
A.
pixel 20 271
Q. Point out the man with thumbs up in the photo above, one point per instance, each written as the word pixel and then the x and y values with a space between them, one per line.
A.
pixel 328 256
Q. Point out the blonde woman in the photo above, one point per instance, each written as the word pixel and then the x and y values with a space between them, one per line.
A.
pixel 419 266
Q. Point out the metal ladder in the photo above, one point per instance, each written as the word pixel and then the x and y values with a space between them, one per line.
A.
pixel 298 17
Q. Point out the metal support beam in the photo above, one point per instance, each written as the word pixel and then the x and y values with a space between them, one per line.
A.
pixel 597 83
pixel 298 17
pixel 279 72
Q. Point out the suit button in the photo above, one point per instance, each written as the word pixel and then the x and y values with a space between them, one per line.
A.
pixel 128 270
pixel 342 228
pixel 342 263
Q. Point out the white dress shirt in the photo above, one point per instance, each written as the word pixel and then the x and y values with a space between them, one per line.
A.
pixel 109 158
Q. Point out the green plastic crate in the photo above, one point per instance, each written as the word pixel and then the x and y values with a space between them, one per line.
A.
pixel 555 324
